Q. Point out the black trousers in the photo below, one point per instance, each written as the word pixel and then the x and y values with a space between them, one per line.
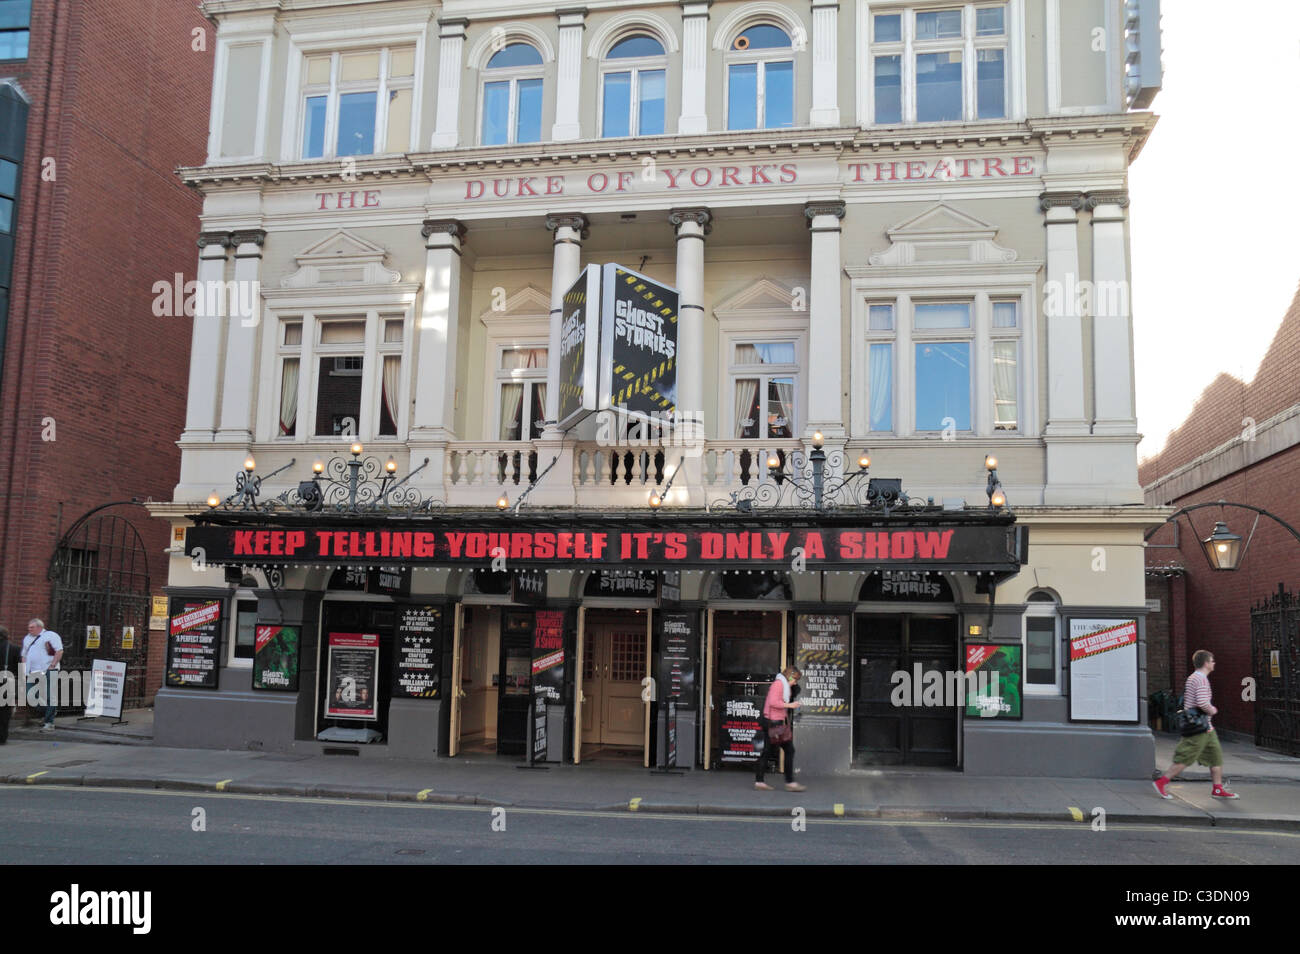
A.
pixel 5 713
pixel 770 751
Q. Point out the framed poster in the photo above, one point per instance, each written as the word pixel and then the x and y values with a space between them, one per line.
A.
pixel 1104 670
pixel 822 655
pixel 994 677
pixel 548 656
pixel 740 730
pixel 678 647
pixel 275 658
pixel 352 681
pixel 416 665
pixel 193 644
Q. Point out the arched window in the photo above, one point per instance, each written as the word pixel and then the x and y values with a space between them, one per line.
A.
pixel 760 79
pixel 1042 643
pixel 512 96
pixel 633 84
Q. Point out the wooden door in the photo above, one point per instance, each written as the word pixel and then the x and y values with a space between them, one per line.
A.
pixel 613 666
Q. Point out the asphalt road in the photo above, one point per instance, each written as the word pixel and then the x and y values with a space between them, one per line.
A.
pixel 84 826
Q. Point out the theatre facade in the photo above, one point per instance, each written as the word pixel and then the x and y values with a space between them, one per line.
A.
pixel 628 354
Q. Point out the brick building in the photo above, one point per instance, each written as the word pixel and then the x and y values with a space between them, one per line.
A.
pixel 98 105
pixel 1240 443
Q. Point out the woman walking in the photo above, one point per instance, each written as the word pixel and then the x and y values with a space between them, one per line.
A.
pixel 777 733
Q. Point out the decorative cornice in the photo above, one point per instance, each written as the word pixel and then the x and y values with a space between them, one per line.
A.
pixel 452 227
pixel 1049 200
pixel 247 236
pixel 214 238
pixel 833 207
pixel 698 215
pixel 572 220
pixel 1095 199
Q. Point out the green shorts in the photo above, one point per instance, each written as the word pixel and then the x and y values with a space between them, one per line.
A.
pixel 1203 748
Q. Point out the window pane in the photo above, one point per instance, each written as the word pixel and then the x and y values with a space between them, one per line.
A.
pixel 762 38
pixel 245 629
pixel 778 81
pixel 6 215
pixel 640 45
pixel 15 13
pixel 528 116
pixel 766 352
pixel 496 113
pixel 342 332
pixel 880 318
pixel 1004 385
pixel 742 96
pixel 357 124
pixel 1040 650
pixel 747 407
pixel 990 81
pixel 338 396
pixel 293 332
pixel 359 66
pixel 881 376
pixel 780 407
pixel 889 89
pixel 389 388
pixel 1004 315
pixel 946 315
pixel 938 87
pixel 943 385
pixel 536 425
pixel 515 358
pixel 313 128
pixel 399 120
pixel 650 122
pixel 938 25
pixel 512 411
pixel 289 397
pixel 318 70
pixel 13 44
pixel 8 177
pixel 989 21
pixel 516 54
pixel 401 63
pixel 618 105
pixel 888 28
pixel 393 331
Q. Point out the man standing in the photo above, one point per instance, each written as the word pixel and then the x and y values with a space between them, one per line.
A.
pixel 10 652
pixel 42 650
pixel 1204 746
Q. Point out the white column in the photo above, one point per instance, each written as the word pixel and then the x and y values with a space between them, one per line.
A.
pixel 239 384
pixel 981 367
pixel 692 225
pixel 1112 328
pixel 825 323
pixel 435 334
pixel 205 344
pixel 695 61
pixel 904 362
pixel 1065 407
pixel 570 230
pixel 825 40
pixel 568 75
pixel 451 48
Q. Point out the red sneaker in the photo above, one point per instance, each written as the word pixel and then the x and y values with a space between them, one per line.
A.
pixel 1220 791
pixel 1160 784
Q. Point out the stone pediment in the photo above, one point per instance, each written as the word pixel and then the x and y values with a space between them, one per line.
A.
pixel 529 302
pixel 943 235
pixel 341 259
pixel 763 297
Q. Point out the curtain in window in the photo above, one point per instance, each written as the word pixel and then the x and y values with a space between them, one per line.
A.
pixel 512 406
pixel 1004 385
pixel 539 408
pixel 289 398
pixel 881 376
pixel 746 392
pixel 392 381
pixel 783 393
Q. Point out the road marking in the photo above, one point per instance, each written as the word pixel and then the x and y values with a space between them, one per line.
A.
pixel 1075 813
pixel 1011 824
pixel 35 775
pixel 634 804
pixel 423 794
pixel 221 786
pixel 839 809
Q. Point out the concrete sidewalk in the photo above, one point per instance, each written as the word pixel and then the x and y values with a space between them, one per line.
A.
pixel 83 754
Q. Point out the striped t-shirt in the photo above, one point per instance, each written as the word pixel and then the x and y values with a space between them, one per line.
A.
pixel 1197 693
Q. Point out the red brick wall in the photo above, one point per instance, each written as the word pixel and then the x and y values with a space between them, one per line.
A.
pixel 119 99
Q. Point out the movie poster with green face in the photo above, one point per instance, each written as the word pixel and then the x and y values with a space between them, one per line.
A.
pixel 994 675
pixel 275 658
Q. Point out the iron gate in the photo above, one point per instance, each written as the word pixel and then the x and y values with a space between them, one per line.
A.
pixel 1275 662
pixel 100 577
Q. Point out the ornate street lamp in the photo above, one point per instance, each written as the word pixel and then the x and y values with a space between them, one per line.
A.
pixel 1223 549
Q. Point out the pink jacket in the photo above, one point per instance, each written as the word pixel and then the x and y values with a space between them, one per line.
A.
pixel 774 708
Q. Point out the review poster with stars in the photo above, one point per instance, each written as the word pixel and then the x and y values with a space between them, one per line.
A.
pixel 419 649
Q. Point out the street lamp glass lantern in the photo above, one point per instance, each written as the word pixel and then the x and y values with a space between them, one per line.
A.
pixel 1222 547
pixel 773 462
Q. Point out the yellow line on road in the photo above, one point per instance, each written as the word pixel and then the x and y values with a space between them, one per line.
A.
pixel 1075 813
pixel 35 775
pixel 221 786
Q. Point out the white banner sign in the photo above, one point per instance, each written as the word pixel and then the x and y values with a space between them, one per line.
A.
pixel 107 687
pixel 1104 670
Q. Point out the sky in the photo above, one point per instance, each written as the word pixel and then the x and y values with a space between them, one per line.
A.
pixel 1215 202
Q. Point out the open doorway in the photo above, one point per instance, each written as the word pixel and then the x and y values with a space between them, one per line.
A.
pixel 615 655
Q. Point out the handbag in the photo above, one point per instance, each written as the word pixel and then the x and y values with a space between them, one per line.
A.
pixel 1189 722
pixel 779 734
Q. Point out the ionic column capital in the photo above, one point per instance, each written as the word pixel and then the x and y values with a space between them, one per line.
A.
pixel 833 207
pixel 567 220
pixel 221 239
pixel 1051 200
pixel 453 227
pixel 1116 197
pixel 696 216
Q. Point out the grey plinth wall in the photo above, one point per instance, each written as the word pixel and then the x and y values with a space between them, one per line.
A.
pixel 686 754
pixel 413 728
pixel 823 744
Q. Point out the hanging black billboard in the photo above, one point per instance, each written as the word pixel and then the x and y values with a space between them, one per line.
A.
pixel 638 345
pixel 579 347
pixel 419 648
pixel 680 635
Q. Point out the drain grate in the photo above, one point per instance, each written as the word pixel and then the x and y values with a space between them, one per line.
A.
pixel 341 752
pixel 72 762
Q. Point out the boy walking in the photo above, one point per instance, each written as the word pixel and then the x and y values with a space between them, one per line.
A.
pixel 1204 746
